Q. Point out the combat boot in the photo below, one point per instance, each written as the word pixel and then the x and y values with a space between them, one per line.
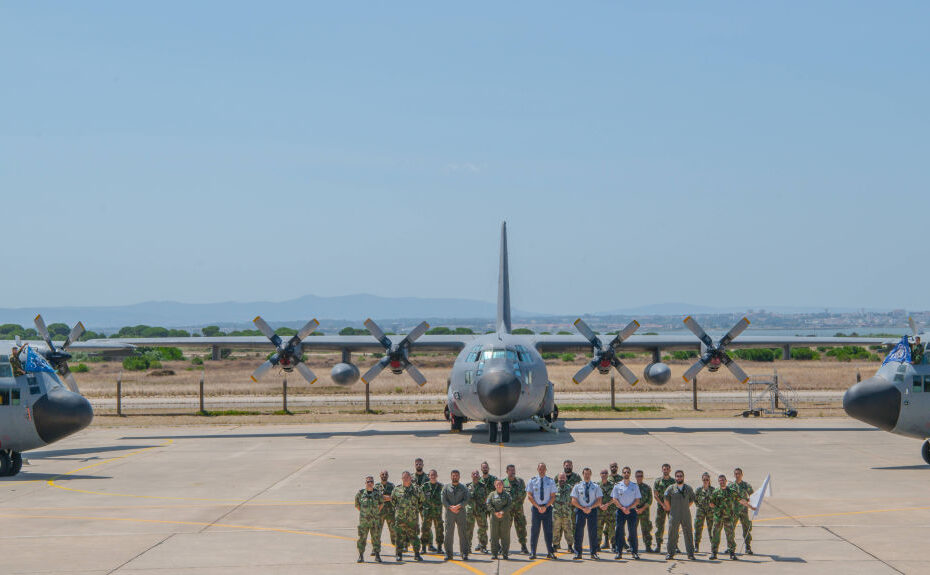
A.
pixel 377 558
pixel 733 556
pixel 658 547
pixel 416 556
pixel 361 558
pixel 713 554
pixel 399 556
pixel 748 549
pixel 523 549
pixel 431 549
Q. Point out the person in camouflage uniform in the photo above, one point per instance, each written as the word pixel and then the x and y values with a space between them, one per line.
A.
pixel 658 489
pixel 517 489
pixel 499 506
pixel 369 503
pixel 703 513
pixel 476 512
pixel 431 513
pixel 572 479
pixel 745 490
pixel 407 498
pixel 615 476
pixel 420 477
pixel 606 515
pixel 385 488
pixel 562 515
pixel 642 512
pixel 725 502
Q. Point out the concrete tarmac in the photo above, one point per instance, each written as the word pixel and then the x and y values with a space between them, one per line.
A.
pixel 277 499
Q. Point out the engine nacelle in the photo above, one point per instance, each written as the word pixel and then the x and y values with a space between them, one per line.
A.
pixel 657 373
pixel 344 374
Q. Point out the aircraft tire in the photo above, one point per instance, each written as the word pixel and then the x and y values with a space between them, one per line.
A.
pixel 16 463
pixel 492 432
pixel 6 465
pixel 505 432
pixel 925 451
pixel 456 423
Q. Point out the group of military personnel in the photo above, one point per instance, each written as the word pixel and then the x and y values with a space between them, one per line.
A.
pixel 423 514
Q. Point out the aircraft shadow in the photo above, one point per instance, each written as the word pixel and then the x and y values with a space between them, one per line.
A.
pixel 67 454
pixel 25 476
pixel 524 434
pixel 738 430
pixel 901 467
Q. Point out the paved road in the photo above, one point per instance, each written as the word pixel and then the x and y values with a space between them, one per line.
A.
pixel 236 500
pixel 303 401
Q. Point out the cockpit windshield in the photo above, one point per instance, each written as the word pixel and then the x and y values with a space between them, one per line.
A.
pixel 498 354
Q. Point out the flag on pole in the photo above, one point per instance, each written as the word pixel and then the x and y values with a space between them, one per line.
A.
pixel 35 362
pixel 758 496
pixel 900 353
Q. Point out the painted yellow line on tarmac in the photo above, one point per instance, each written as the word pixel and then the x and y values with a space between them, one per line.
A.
pixel 465 566
pixel 842 513
pixel 526 568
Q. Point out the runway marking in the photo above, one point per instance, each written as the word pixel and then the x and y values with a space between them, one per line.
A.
pixel 222 525
pixel 796 517
pixel 752 445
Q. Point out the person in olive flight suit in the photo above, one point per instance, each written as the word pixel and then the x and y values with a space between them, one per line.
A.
pixel 454 500
pixel 499 505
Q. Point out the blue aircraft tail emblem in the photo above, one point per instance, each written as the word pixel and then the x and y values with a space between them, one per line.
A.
pixel 900 353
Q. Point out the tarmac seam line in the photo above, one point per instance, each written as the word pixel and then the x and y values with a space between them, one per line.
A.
pixel 873 556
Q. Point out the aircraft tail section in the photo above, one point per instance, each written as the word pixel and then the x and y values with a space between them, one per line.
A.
pixel 503 287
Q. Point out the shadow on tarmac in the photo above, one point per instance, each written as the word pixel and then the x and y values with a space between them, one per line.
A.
pixel 67 454
pixel 901 467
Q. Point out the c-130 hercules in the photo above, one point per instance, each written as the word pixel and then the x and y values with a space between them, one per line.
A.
pixel 500 378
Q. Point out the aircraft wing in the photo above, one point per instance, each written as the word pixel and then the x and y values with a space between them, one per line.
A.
pixel 578 344
pixel 359 343
pixel 90 346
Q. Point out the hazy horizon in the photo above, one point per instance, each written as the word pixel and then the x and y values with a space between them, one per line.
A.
pixel 727 154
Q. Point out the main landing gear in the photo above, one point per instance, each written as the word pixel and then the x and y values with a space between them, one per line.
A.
pixel 925 451
pixel 11 462
pixel 504 429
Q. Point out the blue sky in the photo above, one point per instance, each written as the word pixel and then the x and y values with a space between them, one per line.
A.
pixel 718 153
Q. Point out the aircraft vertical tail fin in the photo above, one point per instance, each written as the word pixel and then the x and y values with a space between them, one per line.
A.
pixel 503 287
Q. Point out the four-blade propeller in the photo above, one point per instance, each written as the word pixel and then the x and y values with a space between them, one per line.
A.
pixel 605 357
pixel 397 355
pixel 288 354
pixel 58 356
pixel 715 355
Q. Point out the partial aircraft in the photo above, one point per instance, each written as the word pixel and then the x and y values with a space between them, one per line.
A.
pixel 897 397
pixel 39 399
pixel 500 378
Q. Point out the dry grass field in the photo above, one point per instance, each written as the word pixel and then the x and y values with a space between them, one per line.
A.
pixel 231 377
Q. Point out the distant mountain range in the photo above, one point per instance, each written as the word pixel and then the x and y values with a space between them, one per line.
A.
pixel 351 308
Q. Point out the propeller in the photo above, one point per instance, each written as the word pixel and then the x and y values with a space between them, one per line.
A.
pixel 59 356
pixel 288 353
pixel 605 357
pixel 397 355
pixel 715 355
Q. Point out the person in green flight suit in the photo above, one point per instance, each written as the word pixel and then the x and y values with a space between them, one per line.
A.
pixel 606 514
pixel 369 503
pixel 499 504
pixel 725 502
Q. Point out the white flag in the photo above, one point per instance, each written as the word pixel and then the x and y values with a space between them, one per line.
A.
pixel 758 496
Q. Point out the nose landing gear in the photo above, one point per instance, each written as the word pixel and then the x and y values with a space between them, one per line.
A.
pixel 11 462
pixel 504 431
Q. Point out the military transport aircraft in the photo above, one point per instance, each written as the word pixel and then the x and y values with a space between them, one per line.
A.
pixel 499 378
pixel 897 397
pixel 36 408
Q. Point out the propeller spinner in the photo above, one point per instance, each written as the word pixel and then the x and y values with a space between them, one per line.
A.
pixel 605 357
pixel 288 354
pixel 59 356
pixel 397 355
pixel 715 354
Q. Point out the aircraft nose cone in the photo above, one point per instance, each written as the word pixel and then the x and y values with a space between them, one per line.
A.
pixel 499 392
pixel 60 413
pixel 874 401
